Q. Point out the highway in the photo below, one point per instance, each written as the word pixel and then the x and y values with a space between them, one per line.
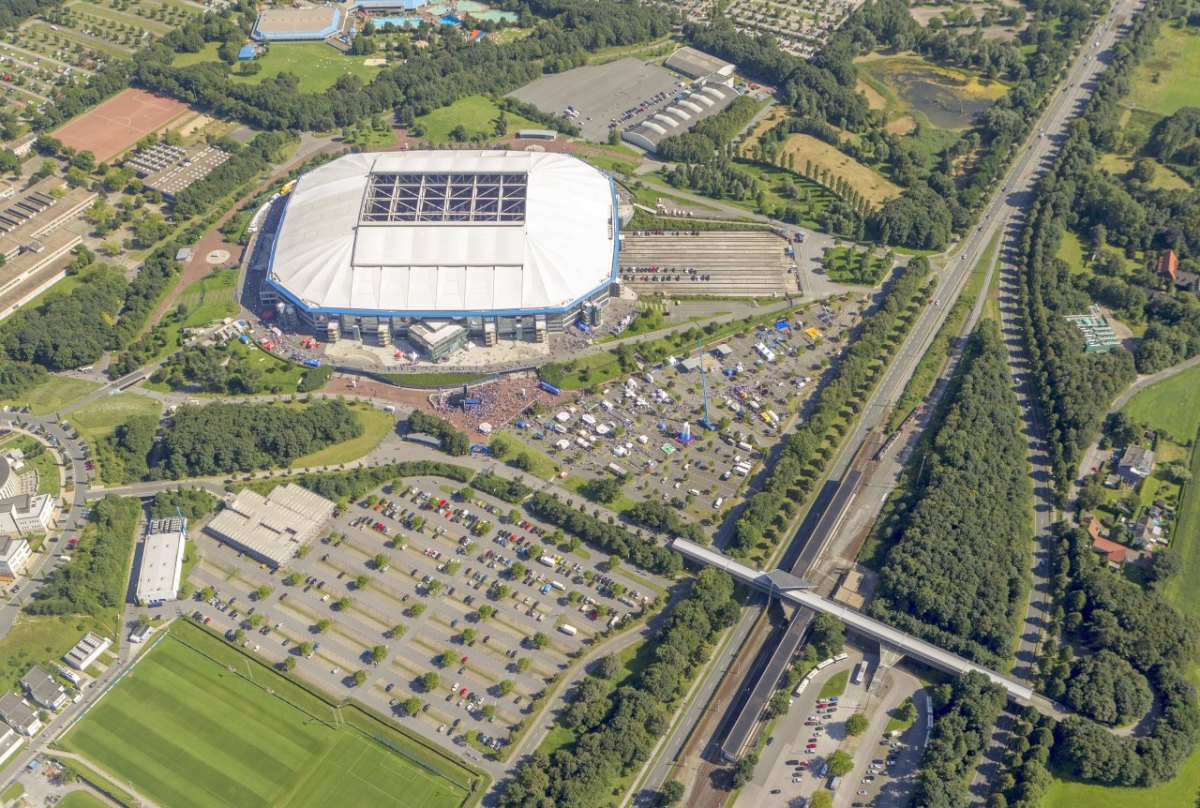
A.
pixel 1000 215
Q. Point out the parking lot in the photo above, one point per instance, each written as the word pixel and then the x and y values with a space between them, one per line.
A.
pixel 620 92
pixel 631 429
pixel 452 588
pixel 750 263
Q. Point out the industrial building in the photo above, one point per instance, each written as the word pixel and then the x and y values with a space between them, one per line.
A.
pixel 1098 335
pixel 680 116
pixel 697 64
pixel 444 245
pixel 271 528
pixel 87 651
pixel 162 560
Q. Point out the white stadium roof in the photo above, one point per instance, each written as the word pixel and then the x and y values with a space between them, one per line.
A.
pixel 446 232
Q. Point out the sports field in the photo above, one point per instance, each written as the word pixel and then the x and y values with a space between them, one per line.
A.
pixel 188 732
pixel 119 122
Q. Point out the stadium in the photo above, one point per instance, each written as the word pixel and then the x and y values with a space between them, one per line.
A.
pixel 439 247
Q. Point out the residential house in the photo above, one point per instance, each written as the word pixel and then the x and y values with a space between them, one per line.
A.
pixel 1168 266
pixel 1136 463
pixel 44 690
pixel 1117 555
pixel 19 715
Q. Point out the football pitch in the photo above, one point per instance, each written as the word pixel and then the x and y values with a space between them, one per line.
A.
pixel 186 732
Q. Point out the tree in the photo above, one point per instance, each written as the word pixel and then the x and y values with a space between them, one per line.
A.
pixel 608 667
pixel 323 625
pixel 412 705
pixel 293 578
pixel 523 664
pixel 743 770
pixel 397 631
pixel 489 711
pixel 506 687
pixel 359 678
pixel 485 612
pixel 207 593
pixel 856 724
pixel 540 640
pixel 468 635
pixel 288 664
pixel 840 763
pixel 381 561
pixel 430 681
pixel 447 658
pixel 379 653
pixel 821 799
pixel 416 610
pixel 672 791
pixel 256 620
pixel 342 603
pixel 262 593
pixel 361 581
pixel 239 636
pixel 305 648
pixel 907 710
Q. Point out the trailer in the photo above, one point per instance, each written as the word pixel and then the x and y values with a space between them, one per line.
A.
pixel 568 629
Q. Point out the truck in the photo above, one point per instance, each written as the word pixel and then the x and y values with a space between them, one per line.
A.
pixel 618 470
pixel 547 561
pixel 568 629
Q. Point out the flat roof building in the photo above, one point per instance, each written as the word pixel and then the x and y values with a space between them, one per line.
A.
pixel 19 715
pixel 44 690
pixel 10 742
pixel 26 513
pixel 14 556
pixel 87 651
pixel 298 24
pixel 162 560
pixel 274 527
pixel 698 64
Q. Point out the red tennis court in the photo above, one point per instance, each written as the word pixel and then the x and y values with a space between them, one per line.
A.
pixel 119 122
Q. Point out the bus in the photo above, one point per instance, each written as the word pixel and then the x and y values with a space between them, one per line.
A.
pixel 859 670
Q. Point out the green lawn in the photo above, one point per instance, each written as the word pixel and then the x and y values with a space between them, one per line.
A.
pixel 102 416
pixel 52 394
pixel 1070 249
pixel 278 375
pixel 81 799
pixel 12 792
pixel 836 685
pixel 432 379
pixel 317 65
pixel 474 113
pixel 376 425
pixel 850 265
pixel 43 462
pixel 511 445
pixel 210 299
pixel 1170 406
pixel 1170 77
pixel 188 732
pixel 36 639
pixel 1178 793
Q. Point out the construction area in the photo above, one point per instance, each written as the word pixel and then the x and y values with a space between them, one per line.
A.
pixel 749 264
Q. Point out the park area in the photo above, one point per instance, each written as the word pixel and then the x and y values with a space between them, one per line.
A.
pixel 196 724
pixel 120 122
pixel 475 114
pixel 315 64
pixel 864 179
pixel 1170 77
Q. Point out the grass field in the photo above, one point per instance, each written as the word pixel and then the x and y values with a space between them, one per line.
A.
pixel 81 799
pixel 188 732
pixel 1164 177
pixel 210 298
pixel 376 425
pixel 52 394
pixel 1170 77
pixel 867 181
pixel 475 113
pixel 836 685
pixel 317 65
pixel 850 265
pixel 39 639
pixel 1070 249
pixel 101 417
pixel 1170 406
pixel 12 792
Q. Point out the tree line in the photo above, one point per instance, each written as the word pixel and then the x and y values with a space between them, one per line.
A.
pixel 665 519
pixel 958 572
pixel 613 539
pixel 513 491
pixel 95 580
pixel 617 732
pixel 768 513
pixel 450 440
pixel 965 711
pixel 1025 777
pixel 1131 642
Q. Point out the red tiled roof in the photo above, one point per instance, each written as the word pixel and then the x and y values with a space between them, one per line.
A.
pixel 1096 528
pixel 1115 552
pixel 1168 264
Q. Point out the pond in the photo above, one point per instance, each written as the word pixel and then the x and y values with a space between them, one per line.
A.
pixel 948 100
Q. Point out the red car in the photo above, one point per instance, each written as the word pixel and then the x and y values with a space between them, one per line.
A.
pixel 810 746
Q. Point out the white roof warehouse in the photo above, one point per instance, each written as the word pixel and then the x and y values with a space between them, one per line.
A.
pixel 274 527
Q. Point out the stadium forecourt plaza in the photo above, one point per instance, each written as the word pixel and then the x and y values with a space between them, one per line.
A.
pixel 441 247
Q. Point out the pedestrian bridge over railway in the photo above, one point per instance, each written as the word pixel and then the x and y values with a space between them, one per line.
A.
pixel 784 585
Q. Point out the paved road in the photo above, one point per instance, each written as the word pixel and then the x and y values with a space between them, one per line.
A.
pixel 1014 195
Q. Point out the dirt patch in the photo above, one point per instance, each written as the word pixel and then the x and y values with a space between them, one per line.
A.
pixel 873 187
pixel 875 99
pixel 374 62
pixel 194 125
pixel 501 401
pixel 901 126
pixel 120 122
